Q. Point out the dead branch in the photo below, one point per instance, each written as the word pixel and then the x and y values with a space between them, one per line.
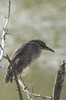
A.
pixel 5 32
pixel 58 82
pixel 15 75
pixel 29 94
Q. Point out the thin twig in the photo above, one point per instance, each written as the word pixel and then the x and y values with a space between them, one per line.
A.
pixel 5 30
pixel 15 75
pixel 58 82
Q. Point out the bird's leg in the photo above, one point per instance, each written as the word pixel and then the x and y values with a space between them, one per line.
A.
pixel 24 86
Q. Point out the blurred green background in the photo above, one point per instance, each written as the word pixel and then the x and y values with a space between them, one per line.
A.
pixel 35 19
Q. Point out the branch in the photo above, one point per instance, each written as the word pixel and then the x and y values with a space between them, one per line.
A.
pixel 59 82
pixel 31 95
pixel 5 32
pixel 15 75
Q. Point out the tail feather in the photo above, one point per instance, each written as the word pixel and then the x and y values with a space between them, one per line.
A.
pixel 9 75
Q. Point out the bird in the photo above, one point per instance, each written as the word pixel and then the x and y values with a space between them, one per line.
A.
pixel 24 56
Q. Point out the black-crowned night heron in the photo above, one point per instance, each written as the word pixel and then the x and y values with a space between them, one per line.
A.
pixel 24 55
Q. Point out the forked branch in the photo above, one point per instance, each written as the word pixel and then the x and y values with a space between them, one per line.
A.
pixel 29 94
pixel 5 32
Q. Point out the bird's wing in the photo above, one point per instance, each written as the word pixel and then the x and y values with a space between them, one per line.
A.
pixel 18 51
pixel 21 51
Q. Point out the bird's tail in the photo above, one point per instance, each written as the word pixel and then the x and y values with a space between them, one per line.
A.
pixel 9 75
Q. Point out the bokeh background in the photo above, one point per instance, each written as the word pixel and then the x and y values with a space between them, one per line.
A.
pixel 35 19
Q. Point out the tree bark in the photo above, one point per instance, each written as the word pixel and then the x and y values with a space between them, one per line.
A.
pixel 58 82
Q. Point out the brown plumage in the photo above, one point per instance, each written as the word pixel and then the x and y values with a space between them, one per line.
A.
pixel 24 55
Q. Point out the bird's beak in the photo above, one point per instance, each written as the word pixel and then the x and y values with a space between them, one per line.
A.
pixel 47 48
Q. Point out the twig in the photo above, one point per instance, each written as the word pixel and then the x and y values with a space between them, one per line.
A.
pixel 59 82
pixel 25 89
pixel 31 95
pixel 5 30
pixel 15 75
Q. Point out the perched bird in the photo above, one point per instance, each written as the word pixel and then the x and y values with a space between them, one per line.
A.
pixel 24 55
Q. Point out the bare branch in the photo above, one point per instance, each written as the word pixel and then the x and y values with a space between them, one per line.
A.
pixel 31 95
pixel 5 31
pixel 59 82
pixel 15 75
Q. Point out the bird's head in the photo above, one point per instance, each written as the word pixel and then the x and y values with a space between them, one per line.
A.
pixel 42 45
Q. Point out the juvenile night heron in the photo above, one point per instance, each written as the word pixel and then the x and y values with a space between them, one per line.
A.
pixel 24 55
